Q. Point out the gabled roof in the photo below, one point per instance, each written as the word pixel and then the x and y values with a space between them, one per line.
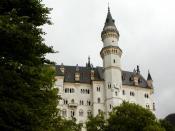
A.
pixel 85 75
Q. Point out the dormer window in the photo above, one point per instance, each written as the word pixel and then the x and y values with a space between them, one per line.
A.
pixel 77 76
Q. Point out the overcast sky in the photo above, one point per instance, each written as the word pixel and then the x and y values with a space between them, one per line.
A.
pixel 147 38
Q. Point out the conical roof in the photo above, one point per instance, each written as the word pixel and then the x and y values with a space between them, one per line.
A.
pixel 149 76
pixel 109 20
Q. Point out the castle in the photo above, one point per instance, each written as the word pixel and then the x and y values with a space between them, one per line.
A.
pixel 89 90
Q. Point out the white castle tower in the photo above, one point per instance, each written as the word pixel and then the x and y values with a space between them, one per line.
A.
pixel 111 55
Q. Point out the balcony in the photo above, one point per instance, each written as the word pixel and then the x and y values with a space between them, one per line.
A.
pixel 73 105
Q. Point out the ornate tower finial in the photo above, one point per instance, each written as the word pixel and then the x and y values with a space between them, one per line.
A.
pixel 108 7
pixel 138 69
pixel 89 62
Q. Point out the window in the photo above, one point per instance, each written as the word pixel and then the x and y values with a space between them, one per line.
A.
pixel 64 112
pixel 110 106
pixel 81 112
pixel 132 93
pixel 116 93
pixel 65 102
pixel 72 113
pixel 109 86
pixel 85 91
pixel 146 95
pixel 81 102
pixel 147 106
pixel 66 90
pixel 154 108
pixel 98 89
pixel 89 113
pixel 98 100
pixel 69 90
pixel 114 60
pixel 123 92
pixel 88 103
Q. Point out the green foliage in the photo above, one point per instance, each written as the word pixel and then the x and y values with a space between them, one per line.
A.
pixel 153 128
pixel 96 123
pixel 126 117
pixel 28 100
pixel 66 125
pixel 167 125
pixel 131 117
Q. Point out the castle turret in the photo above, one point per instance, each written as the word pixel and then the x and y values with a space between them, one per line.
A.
pixel 149 80
pixel 111 55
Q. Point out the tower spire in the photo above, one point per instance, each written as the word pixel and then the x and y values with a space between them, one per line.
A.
pixel 108 7
pixel 89 62
pixel 149 76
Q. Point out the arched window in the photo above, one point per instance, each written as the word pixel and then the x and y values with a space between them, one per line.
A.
pixel 81 112
pixel 98 100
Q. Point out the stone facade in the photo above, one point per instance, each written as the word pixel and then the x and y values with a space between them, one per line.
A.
pixel 88 90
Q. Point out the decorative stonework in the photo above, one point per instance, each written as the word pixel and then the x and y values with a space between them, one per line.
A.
pixel 111 50
pixel 109 34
